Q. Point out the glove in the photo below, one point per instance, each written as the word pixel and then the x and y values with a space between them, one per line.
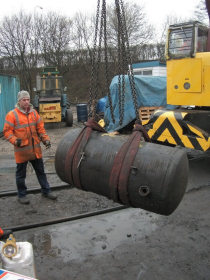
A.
pixel 18 142
pixel 47 144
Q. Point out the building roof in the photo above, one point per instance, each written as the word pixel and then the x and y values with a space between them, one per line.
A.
pixel 148 64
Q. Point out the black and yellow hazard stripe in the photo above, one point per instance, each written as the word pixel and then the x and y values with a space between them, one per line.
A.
pixel 170 127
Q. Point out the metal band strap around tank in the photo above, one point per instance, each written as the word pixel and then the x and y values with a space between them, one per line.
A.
pixel 123 163
pixel 76 153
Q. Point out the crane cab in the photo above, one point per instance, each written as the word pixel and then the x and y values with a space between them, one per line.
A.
pixel 186 39
pixel 188 65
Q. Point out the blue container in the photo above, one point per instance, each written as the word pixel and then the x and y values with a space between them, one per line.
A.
pixel 9 87
pixel 101 105
pixel 82 112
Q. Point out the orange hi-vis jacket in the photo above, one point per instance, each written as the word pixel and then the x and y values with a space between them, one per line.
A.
pixel 30 129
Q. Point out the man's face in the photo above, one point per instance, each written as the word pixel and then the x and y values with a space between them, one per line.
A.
pixel 24 103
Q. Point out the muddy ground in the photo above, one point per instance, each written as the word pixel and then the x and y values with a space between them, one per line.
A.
pixel 71 201
pixel 129 244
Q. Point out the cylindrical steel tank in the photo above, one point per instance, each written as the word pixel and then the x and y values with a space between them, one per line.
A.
pixel 157 179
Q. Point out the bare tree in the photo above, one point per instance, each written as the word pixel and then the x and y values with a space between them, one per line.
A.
pixel 200 12
pixel 54 33
pixel 28 41
pixel 83 27
pixel 147 52
pixel 18 44
pixel 169 19
pixel 139 31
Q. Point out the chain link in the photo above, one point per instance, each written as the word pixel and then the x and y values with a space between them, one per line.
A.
pixel 98 63
pixel 121 62
pixel 106 63
pixel 130 70
pixel 93 64
pixel 124 62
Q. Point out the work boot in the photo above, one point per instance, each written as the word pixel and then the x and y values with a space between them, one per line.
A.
pixel 23 200
pixel 49 196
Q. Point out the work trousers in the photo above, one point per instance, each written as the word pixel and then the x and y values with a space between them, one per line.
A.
pixel 38 166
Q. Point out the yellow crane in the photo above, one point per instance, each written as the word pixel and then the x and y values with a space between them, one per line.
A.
pixel 188 87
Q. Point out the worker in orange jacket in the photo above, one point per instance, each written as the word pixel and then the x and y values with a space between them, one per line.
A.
pixel 25 130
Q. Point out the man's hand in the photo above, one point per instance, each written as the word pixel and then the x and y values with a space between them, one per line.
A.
pixel 47 144
pixel 18 142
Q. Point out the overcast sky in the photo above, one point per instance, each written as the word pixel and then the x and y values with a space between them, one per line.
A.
pixel 156 10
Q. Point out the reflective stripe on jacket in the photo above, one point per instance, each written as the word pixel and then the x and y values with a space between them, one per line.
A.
pixel 30 129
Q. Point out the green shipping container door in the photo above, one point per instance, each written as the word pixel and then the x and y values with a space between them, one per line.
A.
pixel 9 88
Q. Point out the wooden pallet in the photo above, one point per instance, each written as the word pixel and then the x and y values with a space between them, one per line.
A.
pixel 145 113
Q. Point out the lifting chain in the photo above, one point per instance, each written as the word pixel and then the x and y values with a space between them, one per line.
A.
pixel 106 62
pixel 94 88
pixel 93 84
pixel 121 62
pixel 124 62
pixel 126 55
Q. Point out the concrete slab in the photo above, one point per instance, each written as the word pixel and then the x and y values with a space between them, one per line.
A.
pixel 130 244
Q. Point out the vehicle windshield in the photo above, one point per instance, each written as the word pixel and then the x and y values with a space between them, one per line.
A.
pixel 51 86
pixel 181 42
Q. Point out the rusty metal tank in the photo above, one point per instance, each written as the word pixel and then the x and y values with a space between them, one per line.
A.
pixel 157 179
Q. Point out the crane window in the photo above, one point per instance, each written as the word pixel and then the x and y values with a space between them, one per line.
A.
pixel 180 42
pixel 143 72
pixel 202 40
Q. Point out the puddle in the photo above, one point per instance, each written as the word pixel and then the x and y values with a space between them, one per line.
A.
pixel 93 236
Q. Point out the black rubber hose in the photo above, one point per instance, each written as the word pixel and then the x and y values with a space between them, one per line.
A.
pixel 67 219
pixel 34 190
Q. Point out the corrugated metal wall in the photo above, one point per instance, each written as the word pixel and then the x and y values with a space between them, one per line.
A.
pixel 9 87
